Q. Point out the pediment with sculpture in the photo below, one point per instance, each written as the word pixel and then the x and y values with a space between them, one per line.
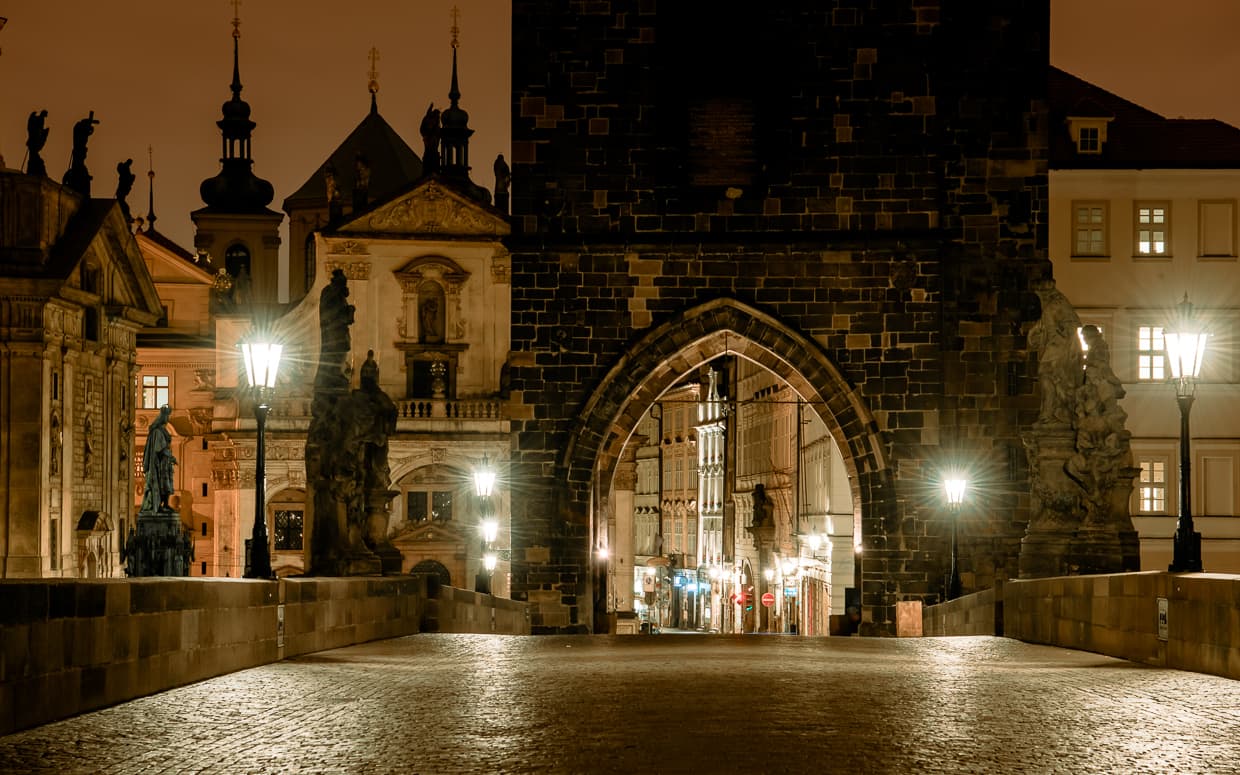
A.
pixel 429 208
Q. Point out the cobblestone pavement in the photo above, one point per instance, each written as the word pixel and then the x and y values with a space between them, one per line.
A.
pixel 702 704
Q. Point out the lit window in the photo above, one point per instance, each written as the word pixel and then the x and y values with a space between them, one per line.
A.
pixel 1152 490
pixel 1153 225
pixel 154 390
pixel 421 505
pixel 1089 229
pixel 288 529
pixel 1151 353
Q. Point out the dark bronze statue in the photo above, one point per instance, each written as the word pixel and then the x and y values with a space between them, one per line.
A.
pixel 503 178
pixel 430 140
pixel 124 184
pixel 157 464
pixel 36 138
pixel 335 317
pixel 76 177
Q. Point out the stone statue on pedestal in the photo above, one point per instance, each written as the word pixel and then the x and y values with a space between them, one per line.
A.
pixel 158 545
pixel 348 480
pixel 1080 462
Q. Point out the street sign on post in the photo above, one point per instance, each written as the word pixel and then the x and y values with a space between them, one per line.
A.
pixel 768 599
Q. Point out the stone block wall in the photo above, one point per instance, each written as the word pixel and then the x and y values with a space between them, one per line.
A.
pixel 980 613
pixel 863 184
pixel 1118 615
pixel 71 646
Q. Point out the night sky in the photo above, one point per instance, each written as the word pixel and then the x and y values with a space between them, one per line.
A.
pixel 156 72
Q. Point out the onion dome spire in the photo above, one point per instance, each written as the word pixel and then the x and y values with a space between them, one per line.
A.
pixel 236 188
pixel 455 121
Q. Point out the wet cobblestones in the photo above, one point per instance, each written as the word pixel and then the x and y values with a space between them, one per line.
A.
pixel 476 703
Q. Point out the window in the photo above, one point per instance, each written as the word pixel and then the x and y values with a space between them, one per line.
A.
pixel 204 494
pixel 204 529
pixel 1153 224
pixel 53 543
pixel 1216 228
pixel 421 505
pixel 288 529
pixel 308 265
pixel 154 390
pixel 1089 133
pixel 204 568
pixel 1089 225
pixel 1087 140
pixel 1152 487
pixel 1151 353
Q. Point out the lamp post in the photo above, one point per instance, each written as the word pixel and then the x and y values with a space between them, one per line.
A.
pixel 484 485
pixel 1185 351
pixel 954 488
pixel 262 360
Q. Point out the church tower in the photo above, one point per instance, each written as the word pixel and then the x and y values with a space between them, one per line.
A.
pixel 236 228
pixel 454 133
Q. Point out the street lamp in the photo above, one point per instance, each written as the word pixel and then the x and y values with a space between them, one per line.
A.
pixel 262 360
pixel 1185 351
pixel 954 487
pixel 484 485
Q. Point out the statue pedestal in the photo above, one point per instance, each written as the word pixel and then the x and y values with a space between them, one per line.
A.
pixel 1097 551
pixel 1046 549
pixel 158 546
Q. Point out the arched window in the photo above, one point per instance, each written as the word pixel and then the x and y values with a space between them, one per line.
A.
pixel 309 261
pixel 237 264
pixel 236 257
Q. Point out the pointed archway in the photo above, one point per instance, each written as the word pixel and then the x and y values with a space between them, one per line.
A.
pixel 722 327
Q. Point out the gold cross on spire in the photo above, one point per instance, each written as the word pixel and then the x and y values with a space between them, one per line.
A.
pixel 374 71
pixel 150 161
pixel 456 26
pixel 236 22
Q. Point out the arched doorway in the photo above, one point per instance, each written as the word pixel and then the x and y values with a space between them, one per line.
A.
pixel 432 568
pixel 720 329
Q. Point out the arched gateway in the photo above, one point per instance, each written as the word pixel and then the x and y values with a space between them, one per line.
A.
pixel 859 208
pixel 664 355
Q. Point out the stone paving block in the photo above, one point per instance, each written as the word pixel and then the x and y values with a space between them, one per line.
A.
pixel 669 704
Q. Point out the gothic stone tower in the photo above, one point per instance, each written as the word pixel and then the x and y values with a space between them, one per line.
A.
pixel 850 194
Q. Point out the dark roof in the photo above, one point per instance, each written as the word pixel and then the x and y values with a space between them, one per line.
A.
pixel 1137 138
pixel 393 165
pixel 167 244
pixel 81 231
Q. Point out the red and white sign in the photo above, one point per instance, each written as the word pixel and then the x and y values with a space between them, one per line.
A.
pixel 768 599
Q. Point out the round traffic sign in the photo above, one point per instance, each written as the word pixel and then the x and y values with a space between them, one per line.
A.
pixel 768 599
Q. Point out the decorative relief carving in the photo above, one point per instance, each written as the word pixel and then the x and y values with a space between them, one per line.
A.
pixel 439 454
pixel 200 417
pixel 353 270
pixel 204 379
pixel 432 210
pixel 347 247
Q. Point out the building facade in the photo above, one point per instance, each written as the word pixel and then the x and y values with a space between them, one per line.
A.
pixel 75 295
pixel 1143 215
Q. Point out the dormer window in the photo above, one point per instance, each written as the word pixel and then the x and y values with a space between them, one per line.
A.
pixel 1087 140
pixel 1089 134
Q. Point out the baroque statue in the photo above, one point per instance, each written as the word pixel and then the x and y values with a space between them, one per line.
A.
pixel 157 464
pixel 1080 460
pixel 36 138
pixel 348 479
